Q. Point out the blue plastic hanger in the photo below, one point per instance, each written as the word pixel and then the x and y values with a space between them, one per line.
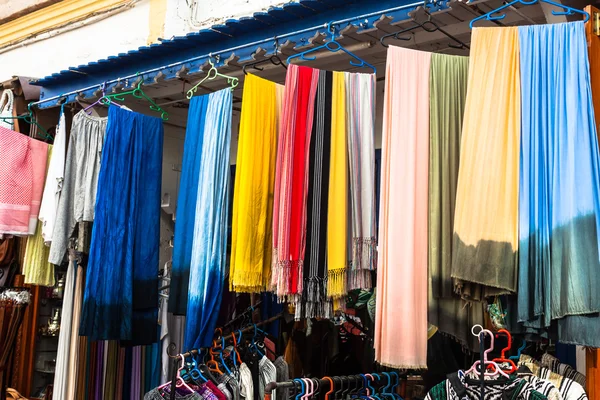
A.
pixel 518 356
pixel 333 46
pixel 303 388
pixel 495 16
pixel 221 356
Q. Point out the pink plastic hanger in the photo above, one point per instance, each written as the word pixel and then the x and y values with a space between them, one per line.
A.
pixel 308 383
pixel 179 382
pixel 498 370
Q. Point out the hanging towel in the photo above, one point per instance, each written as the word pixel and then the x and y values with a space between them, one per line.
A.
pixel 448 89
pixel 39 156
pixel 36 268
pixel 337 210
pixel 486 216
pixel 186 205
pixel 54 181
pixel 78 195
pixel 16 182
pixel 252 226
pixel 560 185
pixel 291 180
pixel 314 302
pixel 208 263
pixel 401 308
pixel 360 124
pixel 121 291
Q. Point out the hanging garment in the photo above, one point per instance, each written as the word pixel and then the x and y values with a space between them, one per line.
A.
pixel 560 186
pixel 186 205
pixel 54 181
pixel 360 125
pixel 252 226
pixel 554 365
pixel 78 194
pixel 64 338
pixel 121 291
pixel 486 217
pixel 337 210
pixel 208 263
pixel 401 309
pixel 76 355
pixel 568 389
pixel 448 89
pixel 267 374
pixel 36 268
pixel 39 157
pixel 291 177
pixel 16 182
pixel 314 302
pixel 246 384
pixel 283 375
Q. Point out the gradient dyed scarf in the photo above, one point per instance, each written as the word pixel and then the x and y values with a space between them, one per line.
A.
pixel 559 206
pixel 209 248
pixel 291 181
pixel 186 204
pixel 252 224
pixel 360 125
pixel 486 217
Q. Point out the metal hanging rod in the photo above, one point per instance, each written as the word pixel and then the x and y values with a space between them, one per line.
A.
pixel 275 39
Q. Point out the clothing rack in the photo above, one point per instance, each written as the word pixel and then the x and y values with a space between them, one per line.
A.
pixel 177 358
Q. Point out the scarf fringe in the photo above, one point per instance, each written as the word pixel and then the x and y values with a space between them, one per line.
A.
pixel 359 279
pixel 336 283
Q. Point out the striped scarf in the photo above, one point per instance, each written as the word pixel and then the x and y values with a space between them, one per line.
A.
pixel 291 181
pixel 360 120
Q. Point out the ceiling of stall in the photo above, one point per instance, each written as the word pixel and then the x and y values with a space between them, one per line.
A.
pixel 171 95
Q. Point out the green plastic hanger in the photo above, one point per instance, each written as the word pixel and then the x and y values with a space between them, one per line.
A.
pixel 138 93
pixel 28 118
pixel 213 73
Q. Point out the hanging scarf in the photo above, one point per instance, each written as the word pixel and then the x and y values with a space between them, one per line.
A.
pixel 209 248
pixel 121 291
pixel 360 103
pixel 252 224
pixel 486 216
pixel 337 211
pixel 314 302
pixel 448 89
pixel 401 308
pixel 291 180
pixel 186 205
pixel 559 206
pixel 16 182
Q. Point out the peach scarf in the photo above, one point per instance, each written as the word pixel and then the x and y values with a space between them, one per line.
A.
pixel 401 310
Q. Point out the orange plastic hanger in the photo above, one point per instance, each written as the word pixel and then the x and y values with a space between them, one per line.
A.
pixel 332 387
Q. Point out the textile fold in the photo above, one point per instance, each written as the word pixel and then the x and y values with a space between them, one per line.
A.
pixel 121 291
pixel 252 226
pixel 401 309
pixel 486 217
pixel 186 204
pixel 209 248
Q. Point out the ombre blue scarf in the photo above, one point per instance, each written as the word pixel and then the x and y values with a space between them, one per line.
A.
pixel 559 204
pixel 209 249
pixel 186 205
pixel 121 288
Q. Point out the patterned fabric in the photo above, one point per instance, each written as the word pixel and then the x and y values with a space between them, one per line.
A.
pixel 16 182
pixel 569 389
pixel 267 374
pixel 457 388
pixel 39 155
pixel 283 375
pixel 554 365
pixel 542 386
pixel 291 177
pixel 246 384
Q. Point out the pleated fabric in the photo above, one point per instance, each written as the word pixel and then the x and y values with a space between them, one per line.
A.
pixel 314 302
pixel 39 156
pixel 209 247
pixel 61 376
pixel 448 90
pixel 252 226
pixel 291 181
pixel 401 309
pixel 121 291
pixel 337 210
pixel 360 125
pixel 486 217
pixel 186 205
pixel 36 268
pixel 559 205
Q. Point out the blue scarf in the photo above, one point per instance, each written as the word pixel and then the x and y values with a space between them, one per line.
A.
pixel 209 248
